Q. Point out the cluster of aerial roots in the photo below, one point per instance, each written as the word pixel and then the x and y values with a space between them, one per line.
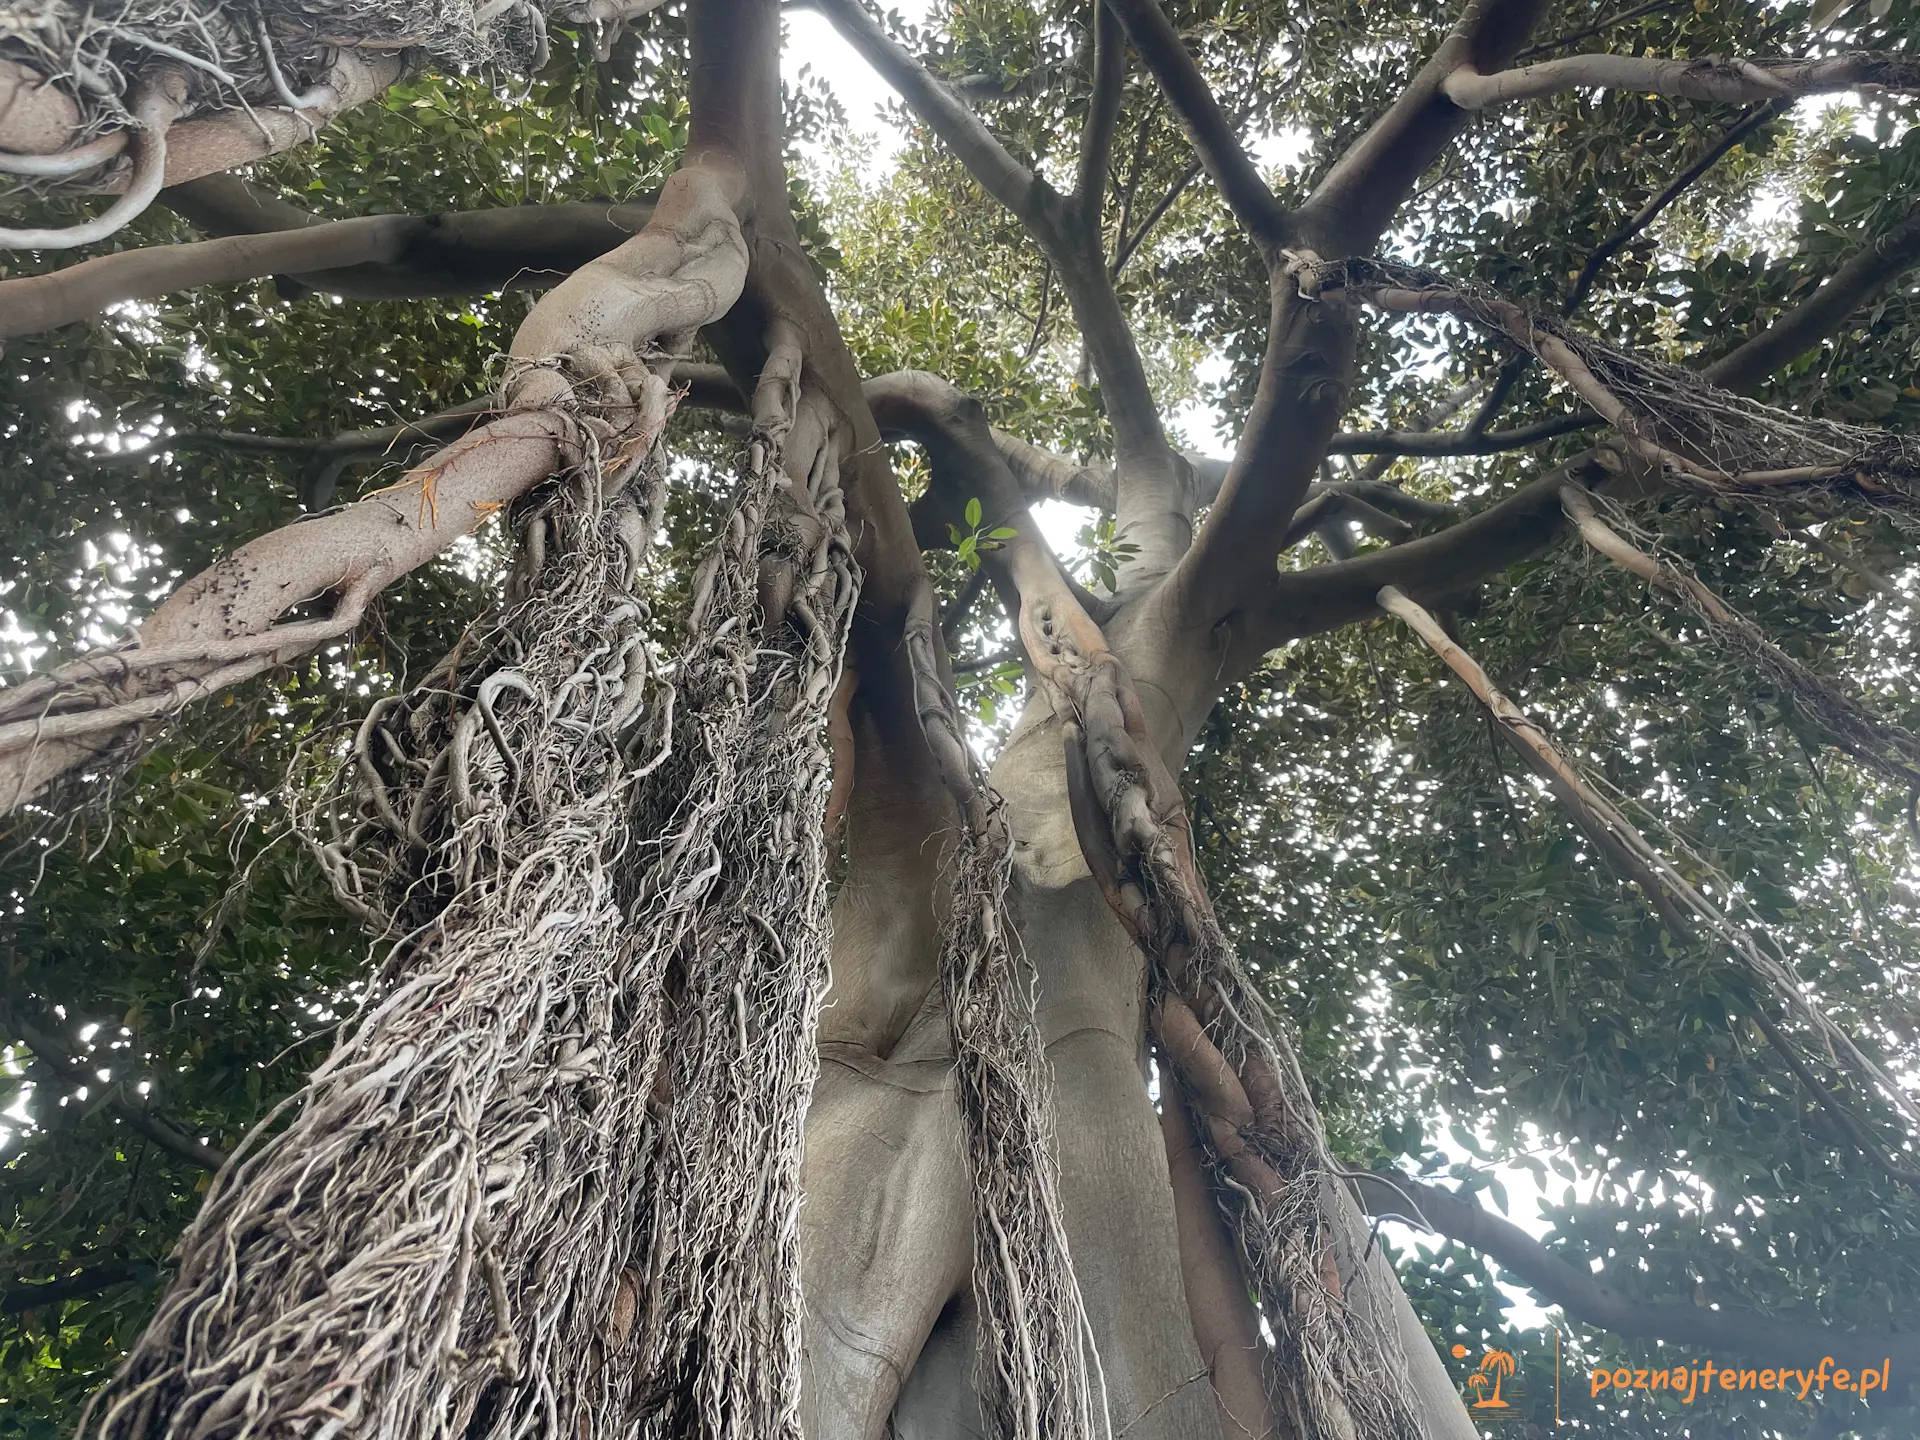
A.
pixel 547 1181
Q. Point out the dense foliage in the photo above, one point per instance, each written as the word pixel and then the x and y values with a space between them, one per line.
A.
pixel 1477 993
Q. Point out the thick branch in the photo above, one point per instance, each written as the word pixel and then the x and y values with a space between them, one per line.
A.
pixel 1103 114
pixel 50 124
pixel 372 257
pixel 1869 270
pixel 1206 124
pixel 1448 566
pixel 1301 395
pixel 1573 1288
pixel 1735 81
pixel 1353 206
pixel 684 271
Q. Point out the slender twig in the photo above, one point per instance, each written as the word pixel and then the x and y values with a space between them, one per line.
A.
pixel 1574 37
pixel 1130 243
pixel 1678 186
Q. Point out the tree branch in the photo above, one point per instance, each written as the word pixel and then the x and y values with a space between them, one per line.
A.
pixel 1574 37
pixel 1103 115
pixel 371 257
pixel 1353 206
pixel 1150 505
pixel 1033 201
pixel 1447 566
pixel 1735 81
pixel 1128 243
pixel 1458 442
pixel 1649 212
pixel 89 1280
pixel 1573 1288
pixel 208 143
pixel 1253 204
pixel 683 272
pixel 1301 396
pixel 132 1112
pixel 1870 269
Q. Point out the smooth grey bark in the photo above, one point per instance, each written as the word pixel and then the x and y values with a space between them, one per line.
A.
pixel 885 1230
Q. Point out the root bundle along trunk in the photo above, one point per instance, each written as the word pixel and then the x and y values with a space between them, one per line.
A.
pixel 546 1184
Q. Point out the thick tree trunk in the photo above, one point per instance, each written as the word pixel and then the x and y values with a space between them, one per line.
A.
pixel 886 1240
pixel 885 1231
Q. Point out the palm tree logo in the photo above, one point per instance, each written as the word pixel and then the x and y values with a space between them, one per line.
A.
pixel 1498 1364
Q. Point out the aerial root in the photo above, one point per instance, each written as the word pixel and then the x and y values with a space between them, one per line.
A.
pixel 1335 1370
pixel 547 1181
pixel 1887 748
pixel 1754 952
pixel 1036 1369
pixel 1669 419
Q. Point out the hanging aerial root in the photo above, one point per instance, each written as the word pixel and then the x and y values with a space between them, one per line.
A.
pixel 1031 1370
pixel 547 1184
pixel 1755 954
pixel 731 897
pixel 428 1240
pixel 1334 1370
pixel 1889 749
pixel 251 80
pixel 1668 418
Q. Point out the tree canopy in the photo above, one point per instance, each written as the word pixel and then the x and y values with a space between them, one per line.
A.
pixel 1478 985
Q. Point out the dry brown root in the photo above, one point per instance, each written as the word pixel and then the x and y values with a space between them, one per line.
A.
pixel 1670 420
pixel 1032 1370
pixel 423 1240
pixel 732 895
pixel 1653 871
pixel 565 1130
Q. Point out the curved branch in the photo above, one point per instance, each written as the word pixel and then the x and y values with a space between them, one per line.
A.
pixel 1573 1288
pixel 38 119
pixel 156 104
pixel 373 256
pixel 1206 124
pixel 1355 203
pixel 1735 81
pixel 1868 271
pixel 1151 508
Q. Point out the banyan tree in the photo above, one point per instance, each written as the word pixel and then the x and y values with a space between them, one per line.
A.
pixel 731 1035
